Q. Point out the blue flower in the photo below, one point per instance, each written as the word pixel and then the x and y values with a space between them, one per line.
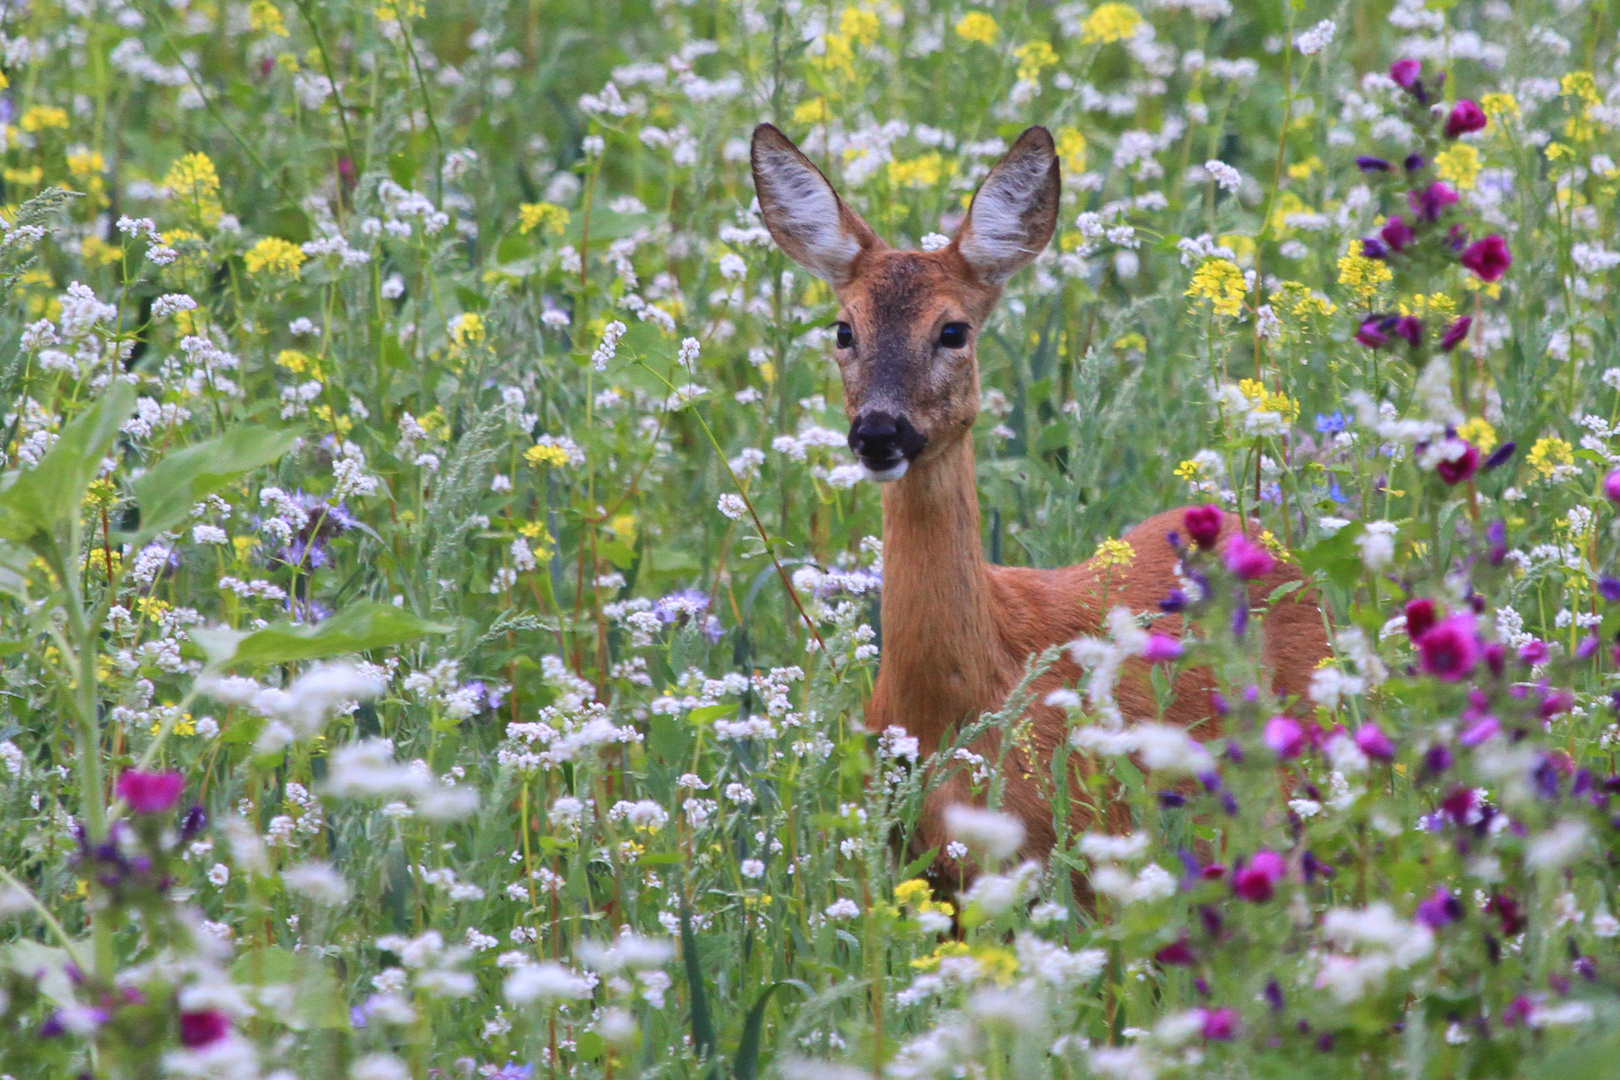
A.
pixel 1330 423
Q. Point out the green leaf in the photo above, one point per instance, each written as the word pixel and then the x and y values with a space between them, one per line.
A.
pixel 169 489
pixel 703 1040
pixel 919 864
pixel 746 1066
pixel 34 503
pixel 357 628
pixel 318 998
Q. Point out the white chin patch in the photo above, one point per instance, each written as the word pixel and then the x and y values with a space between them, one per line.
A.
pixel 889 475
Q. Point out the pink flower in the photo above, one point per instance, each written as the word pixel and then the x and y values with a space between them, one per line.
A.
pixel 1450 649
pixel 1257 880
pixel 1465 117
pixel 1220 1025
pixel 1161 648
pixel 1488 258
pixel 1247 559
pixel 1460 468
pixel 150 792
pixel 1374 743
pixel 202 1028
pixel 1285 736
pixel 1405 72
pixel 1203 524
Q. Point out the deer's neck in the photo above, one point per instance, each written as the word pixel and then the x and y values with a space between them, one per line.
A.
pixel 940 642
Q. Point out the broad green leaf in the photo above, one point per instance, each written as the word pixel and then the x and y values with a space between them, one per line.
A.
pixel 357 628
pixel 34 503
pixel 169 489
pixel 318 998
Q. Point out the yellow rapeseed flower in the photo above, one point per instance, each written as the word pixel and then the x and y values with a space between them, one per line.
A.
pixel 194 182
pixel 263 15
pixel 861 27
pixel 274 254
pixel 1113 553
pixel 41 117
pixel 466 329
pixel 394 10
pixel 1362 275
pixel 1034 57
pixel 1479 432
pixel 919 172
pixel 1499 106
pixel 838 52
pixel 1071 148
pixel 546 454
pixel 1269 400
pixel 542 215
pixel 299 363
pixel 1221 283
pixel 1302 170
pixel 813 111
pixel 1550 455
pixel 1110 22
pixel 977 27
pixel 1458 165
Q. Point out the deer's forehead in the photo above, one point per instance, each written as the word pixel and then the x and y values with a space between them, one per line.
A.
pixel 904 288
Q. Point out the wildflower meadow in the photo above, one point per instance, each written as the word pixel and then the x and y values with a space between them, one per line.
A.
pixel 438 602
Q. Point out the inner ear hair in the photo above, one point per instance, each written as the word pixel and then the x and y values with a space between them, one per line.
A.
pixel 809 222
pixel 1014 213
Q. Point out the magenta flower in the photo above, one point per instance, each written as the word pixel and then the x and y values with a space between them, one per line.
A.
pixel 1247 559
pixel 1285 736
pixel 1257 881
pixel 1397 233
pixel 1450 649
pixel 1410 329
pixel 1161 648
pixel 1489 258
pixel 1534 651
pixel 1461 467
pixel 202 1028
pixel 1178 953
pixel 1374 743
pixel 1419 617
pixel 1429 203
pixel 1465 117
pixel 1481 730
pixel 1456 334
pixel 1371 333
pixel 1405 72
pixel 1203 524
pixel 1220 1025
pixel 1611 486
pixel 150 792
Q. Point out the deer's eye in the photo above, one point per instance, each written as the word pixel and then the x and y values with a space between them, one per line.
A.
pixel 954 335
pixel 846 336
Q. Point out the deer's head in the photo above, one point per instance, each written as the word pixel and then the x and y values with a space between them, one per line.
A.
pixel 909 321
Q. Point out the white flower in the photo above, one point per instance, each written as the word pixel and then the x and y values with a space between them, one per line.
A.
pixel 379 1067
pixel 732 506
pixel 317 881
pixel 992 834
pixel 544 982
pixel 1100 847
pixel 753 869
pixel 843 910
pixel 1316 38
pixel 1557 847
pixel 1225 176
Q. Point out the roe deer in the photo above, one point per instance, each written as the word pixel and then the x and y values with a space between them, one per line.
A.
pixel 957 631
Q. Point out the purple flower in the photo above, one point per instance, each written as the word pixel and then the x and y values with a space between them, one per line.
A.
pixel 1611 486
pixel 1374 743
pixel 1256 881
pixel 1534 651
pixel 1609 589
pixel 1450 649
pixel 1274 995
pixel 1371 333
pixel 1436 760
pixel 1203 524
pixel 1439 909
pixel 150 792
pixel 1460 468
pixel 1161 649
pixel 1498 458
pixel 1405 72
pixel 202 1028
pixel 1413 162
pixel 1372 164
pixel 1373 249
pixel 1178 953
pixel 1429 203
pixel 681 605
pixel 1481 730
pixel 1465 117
pixel 1285 736
pixel 1456 333
pixel 1220 1025
pixel 1488 258
pixel 1247 559
pixel 1397 233
pixel 1410 329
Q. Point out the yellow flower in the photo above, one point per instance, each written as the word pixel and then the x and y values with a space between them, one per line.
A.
pixel 1581 84
pixel 1188 470
pixel 1033 58
pixel 466 329
pixel 394 10
pixel 1362 275
pixel 542 215
pixel 1113 553
pixel 1071 148
pixel 813 111
pixel 96 250
pixel 1479 432
pixel 1551 455
pixel 1438 304
pixel 978 27
pixel 837 52
pixel 85 164
pixel 1269 400
pixel 1221 283
pixel 1242 246
pixel 546 454
pixel 861 27
pixel 920 172
pixel 263 15
pixel 1499 106
pixel 29 177
pixel 298 363
pixel 1127 342
pixel 1302 170
pixel 946 948
pixel 195 183
pixel 1110 22
pixel 1458 164
pixel 1299 301
pixel 276 255
pixel 1557 150
pixel 40 117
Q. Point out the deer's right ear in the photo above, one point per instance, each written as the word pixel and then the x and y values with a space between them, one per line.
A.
pixel 807 219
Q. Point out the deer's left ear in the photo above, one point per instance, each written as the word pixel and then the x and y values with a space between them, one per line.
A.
pixel 1014 212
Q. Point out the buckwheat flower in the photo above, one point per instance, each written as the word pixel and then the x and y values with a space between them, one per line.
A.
pixel 1489 258
pixel 732 506
pixel 317 881
pixel 1316 38
pixel 1450 650
pixel 150 792
pixel 1247 559
pixel 1557 847
pixel 1225 176
pixel 934 242
pixel 170 303
pixel 1256 881
pixel 752 869
pixel 1285 736
pixel 1465 117
pixel 989 833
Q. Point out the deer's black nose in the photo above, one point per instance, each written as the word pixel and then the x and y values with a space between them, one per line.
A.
pixel 883 441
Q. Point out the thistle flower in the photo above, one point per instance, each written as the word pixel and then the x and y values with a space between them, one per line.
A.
pixel 1489 258
pixel 1162 648
pixel 1203 523
pixel 1420 616
pixel 1611 487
